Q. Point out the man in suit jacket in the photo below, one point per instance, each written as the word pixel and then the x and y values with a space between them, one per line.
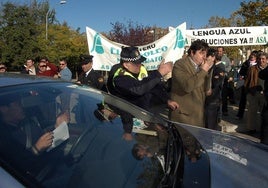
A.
pixel 89 76
pixel 190 81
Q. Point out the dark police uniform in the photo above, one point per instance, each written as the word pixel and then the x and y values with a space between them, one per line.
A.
pixel 144 89
pixel 146 93
pixel 93 79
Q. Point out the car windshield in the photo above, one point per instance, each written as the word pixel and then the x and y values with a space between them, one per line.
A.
pixel 87 147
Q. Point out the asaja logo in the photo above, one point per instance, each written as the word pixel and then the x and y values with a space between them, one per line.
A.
pixel 97 45
pixel 180 43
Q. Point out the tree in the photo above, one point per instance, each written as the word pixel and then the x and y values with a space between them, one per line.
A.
pixel 254 13
pixel 216 21
pixel 134 34
pixel 18 32
pixel 66 43
pixel 249 14
pixel 23 35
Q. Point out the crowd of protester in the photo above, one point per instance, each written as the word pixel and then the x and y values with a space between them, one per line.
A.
pixel 201 86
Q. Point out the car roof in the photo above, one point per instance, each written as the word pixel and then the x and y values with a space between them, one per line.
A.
pixel 11 79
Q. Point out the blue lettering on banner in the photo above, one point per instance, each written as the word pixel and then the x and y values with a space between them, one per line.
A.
pixel 106 67
pixel 151 67
pixel 154 59
pixel 155 51
pixel 114 51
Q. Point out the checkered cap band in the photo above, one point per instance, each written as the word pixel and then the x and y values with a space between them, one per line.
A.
pixel 131 59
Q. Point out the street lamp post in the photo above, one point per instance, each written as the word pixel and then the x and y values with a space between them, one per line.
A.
pixel 61 3
pixel 46 23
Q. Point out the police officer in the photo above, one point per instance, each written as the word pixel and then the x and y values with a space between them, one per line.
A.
pixel 89 76
pixel 132 82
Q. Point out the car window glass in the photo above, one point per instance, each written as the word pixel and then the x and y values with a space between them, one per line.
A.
pixel 89 143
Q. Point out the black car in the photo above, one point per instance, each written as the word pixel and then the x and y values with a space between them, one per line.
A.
pixel 88 148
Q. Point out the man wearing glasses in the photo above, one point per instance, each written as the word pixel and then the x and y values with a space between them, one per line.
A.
pixel 45 68
pixel 65 73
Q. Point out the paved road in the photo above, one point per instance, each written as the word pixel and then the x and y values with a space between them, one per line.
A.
pixel 231 125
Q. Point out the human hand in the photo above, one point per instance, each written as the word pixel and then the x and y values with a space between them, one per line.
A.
pixel 127 136
pixel 173 105
pixel 48 67
pixel 27 68
pixel 165 68
pixel 44 142
pixel 61 118
pixel 209 92
pixel 208 63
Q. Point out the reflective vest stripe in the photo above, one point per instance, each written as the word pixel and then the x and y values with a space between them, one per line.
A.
pixel 143 73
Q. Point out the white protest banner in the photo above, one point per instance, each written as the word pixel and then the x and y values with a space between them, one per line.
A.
pixel 229 36
pixel 107 53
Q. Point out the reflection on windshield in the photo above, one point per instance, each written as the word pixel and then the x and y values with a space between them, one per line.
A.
pixel 63 135
pixel 151 141
pixel 192 148
pixel 47 130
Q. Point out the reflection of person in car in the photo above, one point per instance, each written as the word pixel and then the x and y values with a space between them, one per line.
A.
pixel 140 151
pixel 23 133
pixel 148 145
pixel 193 149
pixel 104 113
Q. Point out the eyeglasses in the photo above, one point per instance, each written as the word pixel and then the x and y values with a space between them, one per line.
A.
pixel 43 66
pixel 62 64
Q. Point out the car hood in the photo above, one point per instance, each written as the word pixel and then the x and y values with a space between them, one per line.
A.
pixel 234 161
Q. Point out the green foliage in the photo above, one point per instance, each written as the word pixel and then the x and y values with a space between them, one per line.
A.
pixel 23 35
pixel 18 35
pixel 63 42
pixel 250 14
pixel 254 13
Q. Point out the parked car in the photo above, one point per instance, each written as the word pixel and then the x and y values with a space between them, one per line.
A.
pixel 88 149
